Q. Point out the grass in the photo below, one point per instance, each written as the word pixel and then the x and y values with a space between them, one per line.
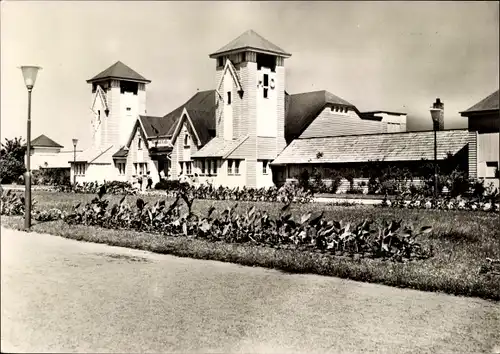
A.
pixel 461 241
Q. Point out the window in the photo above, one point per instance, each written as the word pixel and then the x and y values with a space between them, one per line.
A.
pixel 229 97
pixel 128 108
pixel 220 61
pixel 233 167
pixel 265 167
pixel 189 170
pixel 243 57
pixel 491 169
pixel 202 167
pixel 186 140
pixel 266 61
pixel 139 143
pixel 141 168
pixel 80 169
pixel 127 86
pixel 213 164
pixel 266 85
pixel 237 167
pixel 121 168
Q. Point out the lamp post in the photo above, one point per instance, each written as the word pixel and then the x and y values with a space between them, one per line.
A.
pixel 436 115
pixel 29 74
pixel 75 141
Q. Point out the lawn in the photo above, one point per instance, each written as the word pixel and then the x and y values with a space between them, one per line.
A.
pixel 461 241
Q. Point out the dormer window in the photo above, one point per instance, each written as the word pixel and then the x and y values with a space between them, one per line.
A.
pixel 186 140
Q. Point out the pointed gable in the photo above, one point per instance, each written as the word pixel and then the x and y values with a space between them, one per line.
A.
pixel 250 40
pixel 201 109
pixel 119 71
pixel 44 141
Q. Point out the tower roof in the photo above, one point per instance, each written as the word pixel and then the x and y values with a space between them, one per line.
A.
pixel 119 71
pixel 250 40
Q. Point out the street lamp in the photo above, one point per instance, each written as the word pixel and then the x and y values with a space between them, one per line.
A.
pixel 75 141
pixel 29 74
pixel 436 114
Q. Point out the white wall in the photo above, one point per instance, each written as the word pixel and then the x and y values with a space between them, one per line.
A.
pixel 267 108
pixel 487 151
pixel 395 123
pixel 264 180
pixel 228 108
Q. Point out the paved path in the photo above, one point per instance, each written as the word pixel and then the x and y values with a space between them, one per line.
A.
pixel 61 295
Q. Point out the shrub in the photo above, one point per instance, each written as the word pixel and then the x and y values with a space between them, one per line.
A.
pixel 12 160
pixel 287 192
pixel 165 184
pixel 304 180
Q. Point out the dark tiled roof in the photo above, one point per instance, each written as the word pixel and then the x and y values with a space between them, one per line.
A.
pixel 411 146
pixel 44 141
pixel 490 103
pixel 123 152
pixel 157 126
pixel 302 108
pixel 119 71
pixel 201 110
pixel 251 40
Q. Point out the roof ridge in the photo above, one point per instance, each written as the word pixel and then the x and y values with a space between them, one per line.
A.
pixel 387 133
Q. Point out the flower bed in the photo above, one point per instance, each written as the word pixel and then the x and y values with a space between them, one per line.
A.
pixel 112 187
pixel 309 232
pixel 488 203
pixel 288 192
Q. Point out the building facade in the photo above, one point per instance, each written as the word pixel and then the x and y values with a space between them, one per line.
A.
pixel 484 127
pixel 227 136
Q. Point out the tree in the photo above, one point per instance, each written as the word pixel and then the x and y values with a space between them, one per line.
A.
pixel 12 160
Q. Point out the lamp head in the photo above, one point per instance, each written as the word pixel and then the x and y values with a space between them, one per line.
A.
pixel 75 141
pixel 29 74
pixel 435 114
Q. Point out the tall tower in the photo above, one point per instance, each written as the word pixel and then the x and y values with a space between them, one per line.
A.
pixel 118 98
pixel 250 85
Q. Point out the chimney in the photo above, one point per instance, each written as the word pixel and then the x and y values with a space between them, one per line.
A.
pixel 440 122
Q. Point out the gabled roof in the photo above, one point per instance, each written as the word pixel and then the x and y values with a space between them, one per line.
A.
pixel 250 40
pixel 412 146
pixel 119 71
pixel 490 103
pixel 123 152
pixel 201 109
pixel 157 126
pixel 302 108
pixel 44 141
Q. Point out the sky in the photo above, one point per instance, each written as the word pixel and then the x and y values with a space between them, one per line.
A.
pixel 395 56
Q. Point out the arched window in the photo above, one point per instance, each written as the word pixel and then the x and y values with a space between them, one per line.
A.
pixel 186 140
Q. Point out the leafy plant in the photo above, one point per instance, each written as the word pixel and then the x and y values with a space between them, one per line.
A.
pixel 308 232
